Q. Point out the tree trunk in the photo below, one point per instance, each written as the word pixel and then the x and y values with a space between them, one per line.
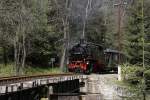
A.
pixel 19 44
pixel 62 64
pixel 15 56
pixel 86 15
pixel 24 53
pixel 5 55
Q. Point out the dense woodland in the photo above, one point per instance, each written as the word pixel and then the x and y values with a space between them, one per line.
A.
pixel 34 31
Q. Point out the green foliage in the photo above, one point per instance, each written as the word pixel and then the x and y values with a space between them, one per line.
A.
pixel 28 70
pixel 39 70
pixel 132 74
pixel 43 28
pixel 1 53
pixel 96 29
pixel 134 35
pixel 133 43
pixel 39 40
pixel 147 74
pixel 6 70
pixel 136 80
pixel 147 79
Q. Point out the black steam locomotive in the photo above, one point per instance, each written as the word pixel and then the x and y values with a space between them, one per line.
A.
pixel 86 57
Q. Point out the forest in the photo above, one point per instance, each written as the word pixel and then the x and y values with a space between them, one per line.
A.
pixel 40 32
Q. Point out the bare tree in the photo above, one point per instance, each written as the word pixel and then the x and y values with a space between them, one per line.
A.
pixel 64 16
pixel 18 20
pixel 88 7
pixel 24 27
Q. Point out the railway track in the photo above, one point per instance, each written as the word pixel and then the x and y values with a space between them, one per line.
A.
pixel 18 83
pixel 17 79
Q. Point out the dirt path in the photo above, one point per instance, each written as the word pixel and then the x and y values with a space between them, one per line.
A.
pixel 102 86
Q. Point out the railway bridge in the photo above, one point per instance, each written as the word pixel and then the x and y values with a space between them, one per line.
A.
pixel 39 86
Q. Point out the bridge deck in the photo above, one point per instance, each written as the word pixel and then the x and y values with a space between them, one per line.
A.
pixel 15 84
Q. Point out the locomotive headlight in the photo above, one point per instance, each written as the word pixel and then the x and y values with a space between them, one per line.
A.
pixel 87 62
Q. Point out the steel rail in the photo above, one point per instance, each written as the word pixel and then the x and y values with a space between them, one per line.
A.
pixel 16 79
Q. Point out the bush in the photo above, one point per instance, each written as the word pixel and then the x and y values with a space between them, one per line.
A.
pixel 147 79
pixel 132 74
pixel 147 74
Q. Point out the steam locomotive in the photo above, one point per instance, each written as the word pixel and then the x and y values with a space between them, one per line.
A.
pixel 86 57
